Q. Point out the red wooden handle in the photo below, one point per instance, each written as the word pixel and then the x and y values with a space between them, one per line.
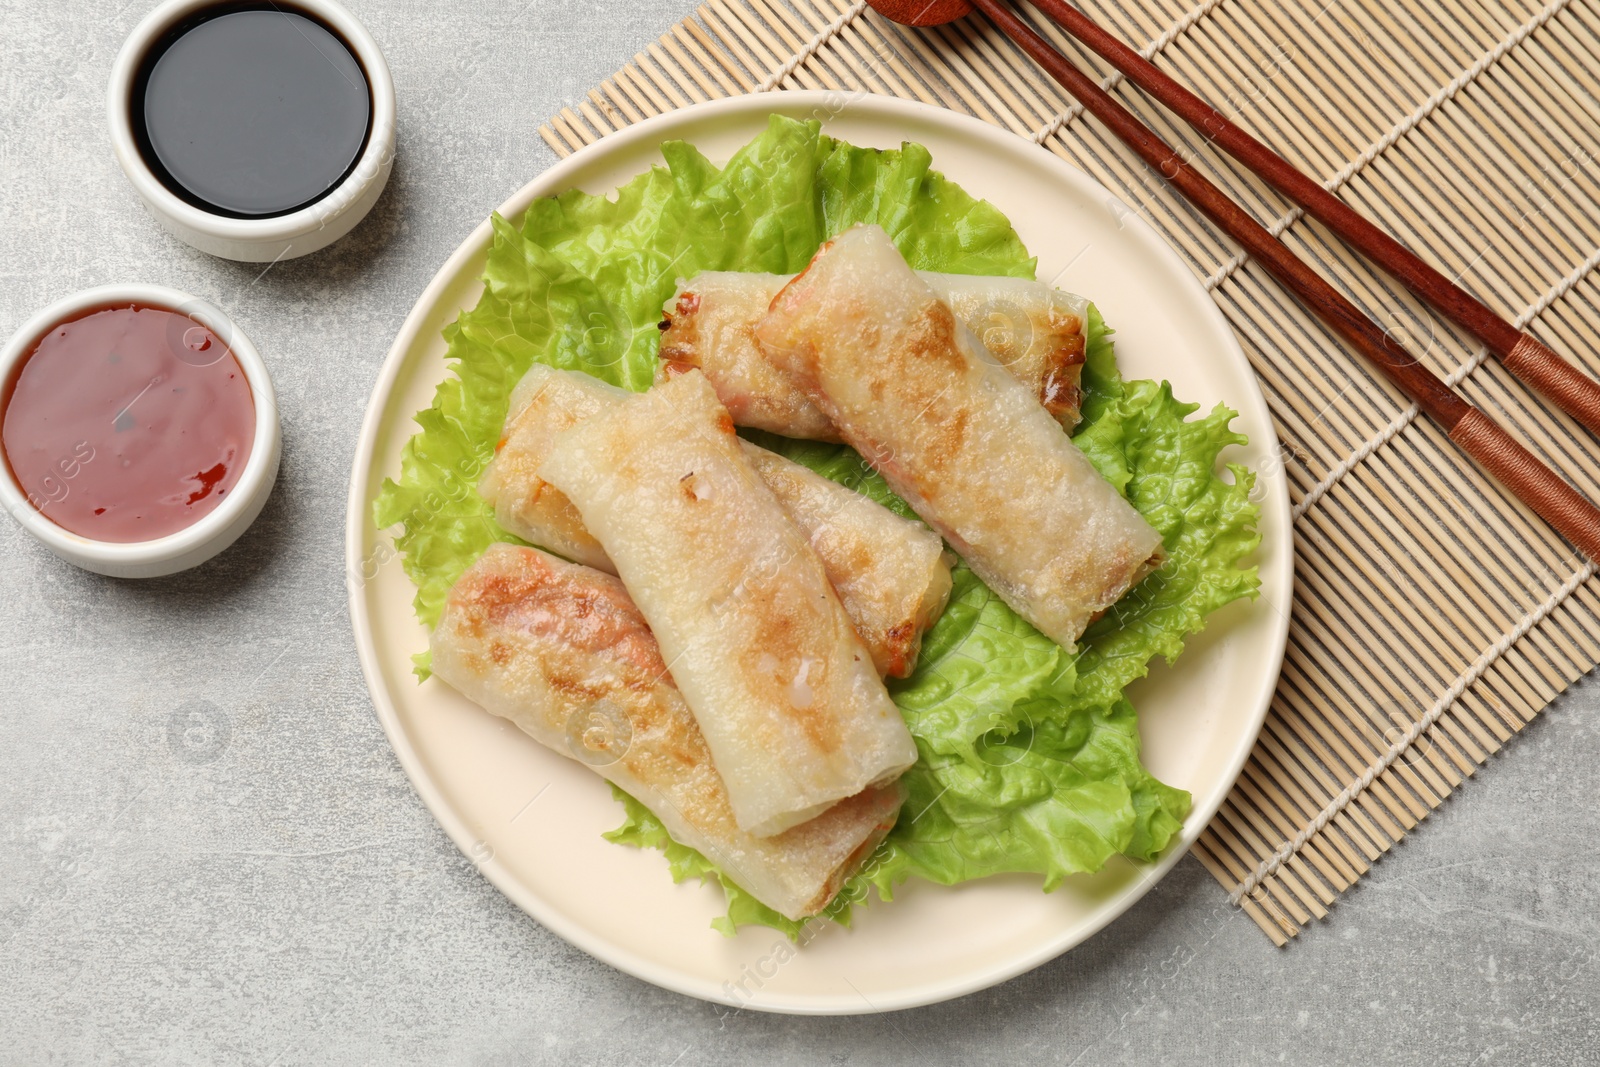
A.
pixel 1568 387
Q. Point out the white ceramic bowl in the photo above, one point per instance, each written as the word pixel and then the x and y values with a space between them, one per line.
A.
pixel 283 236
pixel 213 532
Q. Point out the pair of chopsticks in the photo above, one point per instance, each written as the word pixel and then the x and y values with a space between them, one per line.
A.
pixel 1543 491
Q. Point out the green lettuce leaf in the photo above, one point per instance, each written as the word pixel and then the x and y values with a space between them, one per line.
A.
pixel 1029 753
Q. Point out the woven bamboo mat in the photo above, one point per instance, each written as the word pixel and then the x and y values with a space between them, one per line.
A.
pixel 1433 616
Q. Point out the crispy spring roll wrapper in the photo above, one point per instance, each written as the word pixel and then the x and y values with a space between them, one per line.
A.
pixel 710 323
pixel 562 652
pixel 1036 331
pixel 963 442
pixel 892 575
pixel 545 402
pixel 783 689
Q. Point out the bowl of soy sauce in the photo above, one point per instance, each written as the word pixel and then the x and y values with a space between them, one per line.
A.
pixel 254 131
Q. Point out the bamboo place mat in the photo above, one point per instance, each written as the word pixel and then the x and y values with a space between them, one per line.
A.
pixel 1433 616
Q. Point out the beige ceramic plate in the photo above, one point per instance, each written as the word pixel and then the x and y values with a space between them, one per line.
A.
pixel 532 820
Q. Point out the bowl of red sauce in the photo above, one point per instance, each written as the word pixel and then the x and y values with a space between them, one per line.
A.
pixel 138 430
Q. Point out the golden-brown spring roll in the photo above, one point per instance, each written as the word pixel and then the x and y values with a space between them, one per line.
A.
pixel 784 691
pixel 545 402
pixel 892 575
pixel 562 652
pixel 962 441
pixel 1034 330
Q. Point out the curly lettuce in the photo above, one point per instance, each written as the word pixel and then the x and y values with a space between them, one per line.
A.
pixel 1028 752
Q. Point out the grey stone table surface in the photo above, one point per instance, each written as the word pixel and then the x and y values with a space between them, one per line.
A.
pixel 279 894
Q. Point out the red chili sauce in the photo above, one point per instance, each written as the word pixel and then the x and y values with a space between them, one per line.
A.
pixel 128 423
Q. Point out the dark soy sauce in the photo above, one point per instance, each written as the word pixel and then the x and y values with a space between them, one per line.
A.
pixel 251 111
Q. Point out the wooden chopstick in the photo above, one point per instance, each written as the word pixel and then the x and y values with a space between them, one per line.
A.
pixel 1475 433
pixel 1568 387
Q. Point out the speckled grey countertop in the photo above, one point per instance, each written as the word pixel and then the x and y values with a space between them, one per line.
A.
pixel 275 893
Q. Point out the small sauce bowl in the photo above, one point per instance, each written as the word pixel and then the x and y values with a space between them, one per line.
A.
pixel 207 535
pixel 268 239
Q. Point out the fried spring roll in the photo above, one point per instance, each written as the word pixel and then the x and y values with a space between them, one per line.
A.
pixel 710 323
pixel 783 689
pixel 545 402
pixel 962 441
pixel 562 652
pixel 892 575
pixel 1036 331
